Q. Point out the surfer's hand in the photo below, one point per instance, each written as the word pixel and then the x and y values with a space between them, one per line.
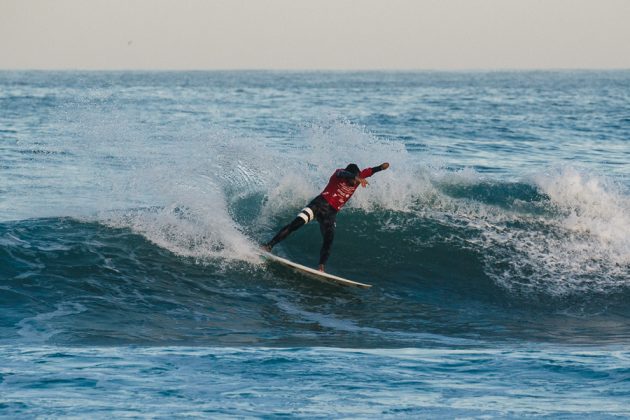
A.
pixel 363 181
pixel 384 165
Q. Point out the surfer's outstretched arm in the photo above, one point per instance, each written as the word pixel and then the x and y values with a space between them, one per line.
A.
pixel 371 171
pixel 368 172
pixel 381 167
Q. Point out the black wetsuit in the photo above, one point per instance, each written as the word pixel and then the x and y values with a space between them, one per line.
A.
pixel 325 214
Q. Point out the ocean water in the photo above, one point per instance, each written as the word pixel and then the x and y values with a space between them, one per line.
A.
pixel 498 245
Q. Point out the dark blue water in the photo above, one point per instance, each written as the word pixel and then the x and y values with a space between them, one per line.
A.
pixel 132 203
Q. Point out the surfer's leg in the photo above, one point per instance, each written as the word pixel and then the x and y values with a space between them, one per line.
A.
pixel 327 228
pixel 297 223
pixel 305 216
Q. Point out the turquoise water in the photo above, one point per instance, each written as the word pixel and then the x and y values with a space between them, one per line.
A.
pixel 315 382
pixel 132 203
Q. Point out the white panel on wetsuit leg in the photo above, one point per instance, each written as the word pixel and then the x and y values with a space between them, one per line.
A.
pixel 306 214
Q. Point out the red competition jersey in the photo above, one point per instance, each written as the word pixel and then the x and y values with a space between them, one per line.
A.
pixel 338 191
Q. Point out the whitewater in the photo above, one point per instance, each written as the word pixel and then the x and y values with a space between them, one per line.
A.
pixel 132 206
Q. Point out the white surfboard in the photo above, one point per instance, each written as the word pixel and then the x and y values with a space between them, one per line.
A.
pixel 315 273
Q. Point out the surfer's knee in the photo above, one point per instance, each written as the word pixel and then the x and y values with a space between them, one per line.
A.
pixel 306 215
pixel 297 223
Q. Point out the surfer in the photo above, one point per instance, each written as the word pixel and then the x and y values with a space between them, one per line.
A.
pixel 324 207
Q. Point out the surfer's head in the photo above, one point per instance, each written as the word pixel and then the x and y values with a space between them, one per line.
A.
pixel 353 168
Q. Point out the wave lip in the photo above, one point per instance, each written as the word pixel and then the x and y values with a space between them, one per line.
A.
pixel 583 246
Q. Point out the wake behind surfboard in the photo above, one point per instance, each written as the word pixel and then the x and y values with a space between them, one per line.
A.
pixel 312 272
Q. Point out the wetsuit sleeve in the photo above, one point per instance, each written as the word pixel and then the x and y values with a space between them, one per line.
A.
pixel 368 172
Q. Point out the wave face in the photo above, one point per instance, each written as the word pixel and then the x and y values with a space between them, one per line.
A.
pixel 451 255
pixel 133 206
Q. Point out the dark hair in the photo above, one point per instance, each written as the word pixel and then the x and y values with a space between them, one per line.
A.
pixel 353 168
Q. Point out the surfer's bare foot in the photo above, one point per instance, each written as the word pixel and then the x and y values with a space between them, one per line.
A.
pixel 321 268
pixel 266 247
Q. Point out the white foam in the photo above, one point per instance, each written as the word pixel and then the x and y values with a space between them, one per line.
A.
pixel 189 213
pixel 591 205
pixel 579 245
pixel 331 145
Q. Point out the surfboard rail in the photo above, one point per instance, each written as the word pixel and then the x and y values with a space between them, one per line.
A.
pixel 316 273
